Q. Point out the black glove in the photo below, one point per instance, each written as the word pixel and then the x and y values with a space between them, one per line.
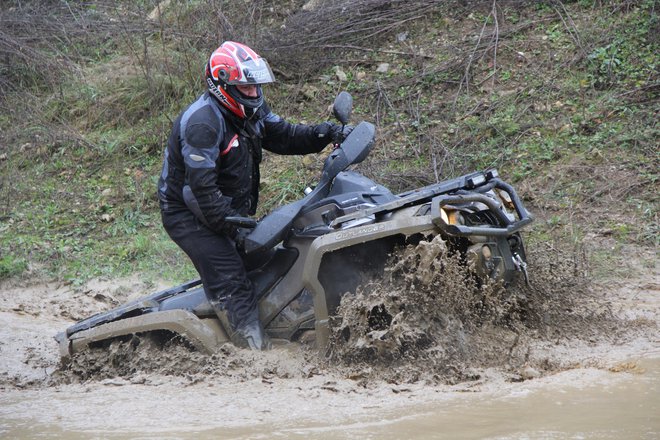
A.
pixel 239 238
pixel 341 133
pixel 334 133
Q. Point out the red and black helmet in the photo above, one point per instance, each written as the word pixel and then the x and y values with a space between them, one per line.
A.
pixel 231 64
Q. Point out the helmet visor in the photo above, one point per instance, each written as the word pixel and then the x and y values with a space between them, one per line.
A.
pixel 254 72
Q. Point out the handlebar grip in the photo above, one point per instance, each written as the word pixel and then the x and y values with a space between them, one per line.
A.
pixel 241 222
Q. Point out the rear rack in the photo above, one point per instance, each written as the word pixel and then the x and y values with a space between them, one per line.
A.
pixel 149 302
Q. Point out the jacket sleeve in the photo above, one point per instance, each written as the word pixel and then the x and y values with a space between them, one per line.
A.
pixel 283 137
pixel 201 138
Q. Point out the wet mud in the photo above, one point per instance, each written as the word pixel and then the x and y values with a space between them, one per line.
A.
pixel 432 319
pixel 425 330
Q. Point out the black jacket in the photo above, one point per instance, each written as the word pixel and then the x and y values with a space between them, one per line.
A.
pixel 217 155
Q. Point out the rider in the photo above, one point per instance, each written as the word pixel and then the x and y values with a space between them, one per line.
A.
pixel 211 171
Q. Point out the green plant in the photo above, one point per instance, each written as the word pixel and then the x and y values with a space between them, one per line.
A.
pixel 129 223
pixel 11 266
pixel 607 63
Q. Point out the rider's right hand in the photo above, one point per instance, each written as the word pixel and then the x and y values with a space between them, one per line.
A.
pixel 239 238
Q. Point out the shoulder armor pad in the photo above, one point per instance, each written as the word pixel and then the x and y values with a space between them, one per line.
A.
pixel 204 128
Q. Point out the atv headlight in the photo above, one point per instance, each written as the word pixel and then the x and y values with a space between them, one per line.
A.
pixel 486 252
pixel 444 216
pixel 456 218
pixel 451 217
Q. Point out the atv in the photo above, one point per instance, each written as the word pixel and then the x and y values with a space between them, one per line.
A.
pixel 304 256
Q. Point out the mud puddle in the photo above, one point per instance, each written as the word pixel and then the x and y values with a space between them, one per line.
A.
pixel 569 360
pixel 581 403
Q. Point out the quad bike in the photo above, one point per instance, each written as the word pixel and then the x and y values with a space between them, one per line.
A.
pixel 304 256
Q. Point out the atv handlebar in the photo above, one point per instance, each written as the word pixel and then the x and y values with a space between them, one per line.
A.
pixel 242 222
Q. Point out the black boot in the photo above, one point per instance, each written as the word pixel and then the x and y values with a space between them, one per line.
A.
pixel 255 337
pixel 250 335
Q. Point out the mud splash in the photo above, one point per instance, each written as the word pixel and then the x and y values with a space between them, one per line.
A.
pixel 429 320
pixel 432 320
pixel 135 360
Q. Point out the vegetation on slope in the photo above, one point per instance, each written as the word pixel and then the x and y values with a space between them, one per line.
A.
pixel 562 97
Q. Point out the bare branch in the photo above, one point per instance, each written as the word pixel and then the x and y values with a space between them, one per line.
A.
pixel 496 37
pixel 570 26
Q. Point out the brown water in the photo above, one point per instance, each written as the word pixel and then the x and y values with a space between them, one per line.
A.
pixel 577 404
pixel 593 374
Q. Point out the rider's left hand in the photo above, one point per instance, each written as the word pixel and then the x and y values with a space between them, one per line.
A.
pixel 334 133
pixel 340 133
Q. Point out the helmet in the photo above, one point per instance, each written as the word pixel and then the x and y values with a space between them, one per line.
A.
pixel 231 64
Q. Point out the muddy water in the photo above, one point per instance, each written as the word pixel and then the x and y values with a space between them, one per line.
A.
pixel 580 404
pixel 584 404
pixel 589 370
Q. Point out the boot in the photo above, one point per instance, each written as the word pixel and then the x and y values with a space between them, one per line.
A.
pixel 255 337
pixel 250 335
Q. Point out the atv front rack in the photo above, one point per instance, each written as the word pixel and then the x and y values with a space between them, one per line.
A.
pixel 507 227
pixel 467 188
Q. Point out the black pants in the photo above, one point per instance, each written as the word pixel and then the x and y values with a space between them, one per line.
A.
pixel 218 263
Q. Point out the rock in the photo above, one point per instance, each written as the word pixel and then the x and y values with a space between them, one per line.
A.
pixel 528 372
pixel 311 5
pixel 341 75
pixel 361 75
pixel 383 68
